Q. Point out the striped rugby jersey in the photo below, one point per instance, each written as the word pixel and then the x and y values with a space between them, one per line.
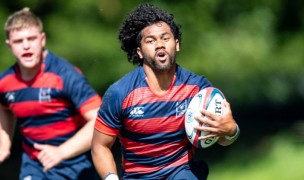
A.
pixel 49 107
pixel 150 127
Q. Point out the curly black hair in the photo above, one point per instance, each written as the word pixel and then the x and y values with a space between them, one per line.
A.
pixel 141 17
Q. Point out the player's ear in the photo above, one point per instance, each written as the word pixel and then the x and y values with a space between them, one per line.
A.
pixel 139 53
pixel 177 45
pixel 43 39
pixel 8 44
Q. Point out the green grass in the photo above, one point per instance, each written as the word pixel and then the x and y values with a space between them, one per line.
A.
pixel 281 158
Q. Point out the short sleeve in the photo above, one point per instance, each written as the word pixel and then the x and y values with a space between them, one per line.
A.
pixel 80 92
pixel 110 113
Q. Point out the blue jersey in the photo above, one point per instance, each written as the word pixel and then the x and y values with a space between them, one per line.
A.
pixel 48 108
pixel 150 127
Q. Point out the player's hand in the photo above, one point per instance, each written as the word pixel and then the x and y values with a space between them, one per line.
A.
pixel 223 125
pixel 49 155
pixel 4 154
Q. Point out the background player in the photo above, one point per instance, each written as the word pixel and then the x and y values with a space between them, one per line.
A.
pixel 53 104
pixel 145 109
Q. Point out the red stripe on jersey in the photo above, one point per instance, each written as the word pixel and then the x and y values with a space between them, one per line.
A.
pixel 46 80
pixel 144 95
pixel 184 159
pixel 165 124
pixel 53 130
pixel 104 128
pixel 36 108
pixel 154 150
pixel 11 83
pixel 31 152
pixel 129 167
pixel 92 103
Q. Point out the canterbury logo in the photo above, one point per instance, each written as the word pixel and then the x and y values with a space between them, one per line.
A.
pixel 137 112
pixel 10 96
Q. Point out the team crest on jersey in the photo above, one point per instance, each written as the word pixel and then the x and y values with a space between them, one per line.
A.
pixel 137 112
pixel 181 108
pixel 45 94
pixel 10 96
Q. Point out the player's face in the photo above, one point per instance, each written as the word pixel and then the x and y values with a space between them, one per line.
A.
pixel 27 45
pixel 158 47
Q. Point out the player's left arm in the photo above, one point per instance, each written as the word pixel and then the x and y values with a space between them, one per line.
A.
pixel 50 155
pixel 223 126
pixel 7 128
pixel 81 141
pixel 87 101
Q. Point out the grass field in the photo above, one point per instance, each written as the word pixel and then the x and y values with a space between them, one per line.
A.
pixel 278 158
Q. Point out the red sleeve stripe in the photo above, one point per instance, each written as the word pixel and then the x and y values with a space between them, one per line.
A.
pixel 104 128
pixel 92 103
pixel 144 96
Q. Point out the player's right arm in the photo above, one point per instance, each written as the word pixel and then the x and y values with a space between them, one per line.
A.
pixel 102 155
pixel 7 127
pixel 106 129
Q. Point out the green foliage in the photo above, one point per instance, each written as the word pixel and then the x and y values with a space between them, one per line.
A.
pixel 279 158
pixel 245 48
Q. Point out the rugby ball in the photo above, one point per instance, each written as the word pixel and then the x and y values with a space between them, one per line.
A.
pixel 211 99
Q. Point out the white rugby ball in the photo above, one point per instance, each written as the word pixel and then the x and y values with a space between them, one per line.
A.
pixel 211 99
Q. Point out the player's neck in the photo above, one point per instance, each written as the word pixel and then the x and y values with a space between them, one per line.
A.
pixel 160 83
pixel 29 74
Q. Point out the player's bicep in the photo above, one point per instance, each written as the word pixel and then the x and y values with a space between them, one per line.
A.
pixel 7 122
pixel 101 139
pixel 7 119
pixel 90 115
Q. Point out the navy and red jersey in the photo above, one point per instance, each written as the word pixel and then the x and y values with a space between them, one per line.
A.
pixel 150 127
pixel 48 108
